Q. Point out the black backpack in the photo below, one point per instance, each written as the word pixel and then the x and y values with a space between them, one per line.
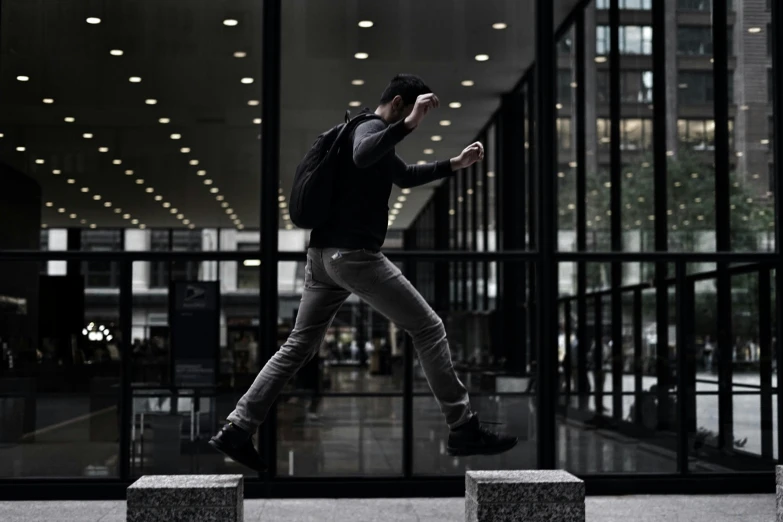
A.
pixel 311 193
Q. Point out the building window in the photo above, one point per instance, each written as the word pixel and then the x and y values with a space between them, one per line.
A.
pixel 101 274
pixel 634 39
pixel 697 87
pixel 695 5
pixel 699 134
pixel 44 240
pixel 564 133
pixel 564 89
pixel 639 5
pixel 635 86
pixel 635 134
pixel 694 40
pixel 174 241
pixel 247 270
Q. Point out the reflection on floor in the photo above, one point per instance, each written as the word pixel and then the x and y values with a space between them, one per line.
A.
pixel 745 508
pixel 340 436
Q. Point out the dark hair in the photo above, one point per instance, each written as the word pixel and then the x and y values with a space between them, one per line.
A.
pixel 408 86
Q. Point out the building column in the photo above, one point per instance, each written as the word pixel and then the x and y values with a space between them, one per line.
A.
pixel 139 241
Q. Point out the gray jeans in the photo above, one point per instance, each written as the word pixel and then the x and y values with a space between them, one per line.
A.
pixel 331 275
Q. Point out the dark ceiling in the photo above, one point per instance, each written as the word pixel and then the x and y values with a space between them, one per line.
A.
pixel 185 56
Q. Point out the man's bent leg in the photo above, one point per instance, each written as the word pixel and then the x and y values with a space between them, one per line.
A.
pixel 380 283
pixel 320 303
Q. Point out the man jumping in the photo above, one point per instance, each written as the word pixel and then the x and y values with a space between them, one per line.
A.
pixel 345 258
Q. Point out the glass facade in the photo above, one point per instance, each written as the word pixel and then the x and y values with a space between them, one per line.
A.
pixel 144 163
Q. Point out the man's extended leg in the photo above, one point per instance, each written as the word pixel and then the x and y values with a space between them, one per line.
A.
pixel 320 302
pixel 380 283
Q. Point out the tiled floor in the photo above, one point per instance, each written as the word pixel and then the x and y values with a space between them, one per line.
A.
pixel 745 508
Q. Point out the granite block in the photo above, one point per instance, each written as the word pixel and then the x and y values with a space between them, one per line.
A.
pixel 184 514
pixel 534 512
pixel 524 487
pixel 779 502
pixel 779 475
pixel 171 491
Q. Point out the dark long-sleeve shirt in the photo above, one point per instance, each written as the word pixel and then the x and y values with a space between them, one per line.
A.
pixel 360 204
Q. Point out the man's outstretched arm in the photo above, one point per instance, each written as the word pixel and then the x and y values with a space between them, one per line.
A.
pixel 408 176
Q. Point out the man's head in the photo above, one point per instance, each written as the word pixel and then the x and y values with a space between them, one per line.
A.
pixel 400 95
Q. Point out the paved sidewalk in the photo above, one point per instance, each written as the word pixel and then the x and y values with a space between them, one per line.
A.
pixel 737 508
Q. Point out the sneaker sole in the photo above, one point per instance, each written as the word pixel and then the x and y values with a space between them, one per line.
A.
pixel 219 447
pixel 460 452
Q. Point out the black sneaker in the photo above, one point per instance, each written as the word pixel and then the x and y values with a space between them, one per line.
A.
pixel 237 444
pixel 474 439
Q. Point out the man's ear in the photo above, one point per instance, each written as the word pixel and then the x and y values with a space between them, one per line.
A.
pixel 398 103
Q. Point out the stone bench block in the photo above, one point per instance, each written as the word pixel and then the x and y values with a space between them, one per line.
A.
pixel 186 498
pixel 529 496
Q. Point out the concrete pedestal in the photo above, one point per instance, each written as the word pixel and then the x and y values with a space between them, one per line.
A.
pixel 529 496
pixel 186 498
pixel 779 493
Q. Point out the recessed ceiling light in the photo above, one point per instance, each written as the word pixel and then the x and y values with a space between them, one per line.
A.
pixel 247 81
pixel 499 26
pixel 231 210
pixel 39 161
pixel 429 151
pixel 44 225
pixel 173 210
pixel 87 135
pixel 164 120
pixel 230 22
pixel 1 134
pixel 117 210
pixel 224 204
pixel 185 221
pixel 93 225
pixel 193 162
pixel 97 197
pixel 406 191
pixel 61 210
pixel 180 216
pixel 754 30
pixel 20 149
pixel 395 211
pixel 135 221
pixel 207 182
pixel 103 149
pixel 184 150
pixel 354 103
pixel 140 181
pixel 126 216
pixel 257 121
pixel 116 52
pixel 85 189
pixel 83 221
pixel 158 198
pixel 72 216
pixel 398 205
pixel 240 54
pixel 129 172
pixel 202 172
pixel 107 204
pixel 233 216
pixel 600 59
pixel 482 57
pixel 366 24
pixel 467 83
pixel 361 56
pixel 490 174
pixel 48 101
pixel 166 204
pixel 149 190
pixel 191 226
pixel 253 103
pixel 214 190
pixel 49 204
pixel 57 172
pixel 93 20
pixel 357 82
pixel 176 136
pixel 71 181
pixel 437 138
pixel 455 105
pixel 70 119
pixel 445 123
pixel 401 199
pixel 151 101
pixel 421 162
pixel 220 198
pixel 23 78
pixel 135 79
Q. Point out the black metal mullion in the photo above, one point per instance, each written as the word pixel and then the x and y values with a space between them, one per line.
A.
pixel 567 361
pixel 270 163
pixel 485 216
pixel 638 360
pixel 473 201
pixel 583 382
pixel 765 358
pixel 126 397
pixel 547 288
pixel 723 221
pixel 598 355
pixel 683 349
pixel 659 125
